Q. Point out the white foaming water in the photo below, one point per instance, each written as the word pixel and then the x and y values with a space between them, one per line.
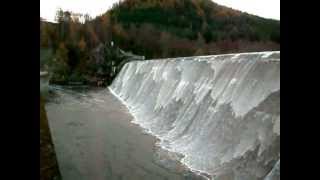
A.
pixel 221 112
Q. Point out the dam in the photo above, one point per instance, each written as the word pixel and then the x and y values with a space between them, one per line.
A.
pixel 204 117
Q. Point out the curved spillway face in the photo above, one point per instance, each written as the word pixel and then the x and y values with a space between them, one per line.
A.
pixel 221 112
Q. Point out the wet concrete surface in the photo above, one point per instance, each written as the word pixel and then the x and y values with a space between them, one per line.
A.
pixel 94 139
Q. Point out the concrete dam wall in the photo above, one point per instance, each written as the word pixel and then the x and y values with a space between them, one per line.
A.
pixel 222 112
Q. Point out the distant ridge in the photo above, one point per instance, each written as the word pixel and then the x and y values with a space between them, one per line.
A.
pixel 189 27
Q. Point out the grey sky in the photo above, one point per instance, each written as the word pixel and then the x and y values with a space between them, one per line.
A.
pixel 263 8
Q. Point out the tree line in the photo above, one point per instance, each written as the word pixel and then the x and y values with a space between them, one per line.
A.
pixel 153 28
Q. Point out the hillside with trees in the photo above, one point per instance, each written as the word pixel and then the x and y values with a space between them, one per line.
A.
pixel 152 28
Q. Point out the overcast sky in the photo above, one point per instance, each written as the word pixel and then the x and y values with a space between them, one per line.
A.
pixel 263 8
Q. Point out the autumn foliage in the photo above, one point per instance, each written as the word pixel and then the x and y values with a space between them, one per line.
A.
pixel 157 29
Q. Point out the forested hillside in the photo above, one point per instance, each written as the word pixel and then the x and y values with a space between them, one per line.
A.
pixel 170 28
pixel 153 28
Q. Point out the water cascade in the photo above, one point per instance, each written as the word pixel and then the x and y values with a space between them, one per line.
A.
pixel 221 112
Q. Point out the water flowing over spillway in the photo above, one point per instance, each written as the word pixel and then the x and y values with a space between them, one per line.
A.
pixel 222 113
